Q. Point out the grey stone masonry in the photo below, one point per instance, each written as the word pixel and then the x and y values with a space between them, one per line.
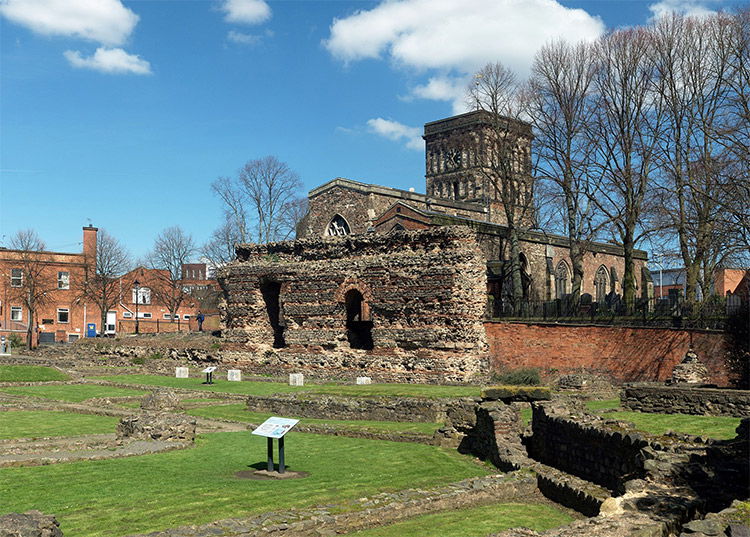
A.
pixel 682 399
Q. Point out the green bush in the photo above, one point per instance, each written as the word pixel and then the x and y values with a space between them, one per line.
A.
pixel 526 376
pixel 138 360
pixel 155 356
pixel 509 394
pixel 16 342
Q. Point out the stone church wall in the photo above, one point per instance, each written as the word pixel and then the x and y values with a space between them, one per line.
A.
pixel 423 293
pixel 622 353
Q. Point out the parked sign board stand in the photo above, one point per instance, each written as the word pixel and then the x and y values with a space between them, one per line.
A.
pixel 275 428
pixel 209 371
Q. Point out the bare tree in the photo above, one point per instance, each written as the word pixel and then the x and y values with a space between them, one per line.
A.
pixel 172 249
pixel 623 131
pixel 219 249
pixel 561 109
pixel 103 285
pixel 691 64
pixel 506 166
pixel 292 214
pixel 259 197
pixel 31 280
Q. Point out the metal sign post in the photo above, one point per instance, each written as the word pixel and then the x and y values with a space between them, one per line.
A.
pixel 209 371
pixel 275 428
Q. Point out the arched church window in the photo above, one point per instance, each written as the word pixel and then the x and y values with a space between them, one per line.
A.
pixel 338 227
pixel 600 283
pixel 562 280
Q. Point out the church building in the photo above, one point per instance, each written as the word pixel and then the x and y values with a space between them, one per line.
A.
pixel 458 192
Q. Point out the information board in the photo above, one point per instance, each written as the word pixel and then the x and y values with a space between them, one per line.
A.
pixel 209 369
pixel 275 427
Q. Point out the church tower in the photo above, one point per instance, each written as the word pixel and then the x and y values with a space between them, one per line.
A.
pixel 463 154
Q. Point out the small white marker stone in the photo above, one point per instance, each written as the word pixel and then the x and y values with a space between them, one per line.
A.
pixel 296 379
pixel 364 380
pixel 234 375
pixel 181 372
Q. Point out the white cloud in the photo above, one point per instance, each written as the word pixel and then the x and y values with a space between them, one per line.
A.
pixel 461 36
pixel 105 21
pixel 397 132
pixel 444 88
pixel 246 11
pixel 110 60
pixel 691 8
pixel 242 38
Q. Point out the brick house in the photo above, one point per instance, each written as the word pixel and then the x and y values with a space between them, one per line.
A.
pixel 150 300
pixel 61 315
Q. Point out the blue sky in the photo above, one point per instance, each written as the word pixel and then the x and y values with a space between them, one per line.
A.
pixel 121 113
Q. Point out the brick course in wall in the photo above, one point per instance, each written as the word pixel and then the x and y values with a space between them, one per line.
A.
pixel 625 354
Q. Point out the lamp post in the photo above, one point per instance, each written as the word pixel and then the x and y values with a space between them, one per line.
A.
pixel 137 300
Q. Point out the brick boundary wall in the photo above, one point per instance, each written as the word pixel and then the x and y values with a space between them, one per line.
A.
pixel 625 354
pixel 686 400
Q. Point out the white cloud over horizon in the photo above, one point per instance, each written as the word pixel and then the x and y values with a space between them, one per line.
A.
pixel 457 36
pixel 107 22
pixel 446 42
pixel 246 11
pixel 397 132
pixel 110 61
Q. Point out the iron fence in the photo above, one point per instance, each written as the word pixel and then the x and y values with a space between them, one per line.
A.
pixel 658 312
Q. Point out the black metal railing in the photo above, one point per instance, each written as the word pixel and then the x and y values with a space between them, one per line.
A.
pixel 660 312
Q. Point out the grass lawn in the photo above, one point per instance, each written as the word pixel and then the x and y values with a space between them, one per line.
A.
pixel 194 486
pixel 719 427
pixel 267 388
pixel 74 393
pixel 30 373
pixel 474 521
pixel 238 412
pixel 43 423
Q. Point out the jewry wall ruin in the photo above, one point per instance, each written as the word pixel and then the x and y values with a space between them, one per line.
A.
pixel 402 306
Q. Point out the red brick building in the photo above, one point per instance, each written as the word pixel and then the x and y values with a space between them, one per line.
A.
pixel 61 315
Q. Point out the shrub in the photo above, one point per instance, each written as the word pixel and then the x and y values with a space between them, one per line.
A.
pixel 526 376
pixel 138 360
pixel 155 356
pixel 15 341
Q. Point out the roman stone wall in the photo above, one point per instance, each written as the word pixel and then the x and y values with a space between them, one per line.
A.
pixel 580 445
pixel 422 292
pixel 624 354
pixel 686 400
pixel 408 409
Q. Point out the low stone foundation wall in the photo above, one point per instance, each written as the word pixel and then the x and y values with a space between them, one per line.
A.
pixel 680 399
pixel 580 445
pixel 360 408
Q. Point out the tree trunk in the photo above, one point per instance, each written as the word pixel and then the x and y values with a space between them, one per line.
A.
pixel 515 270
pixel 30 331
pixel 576 260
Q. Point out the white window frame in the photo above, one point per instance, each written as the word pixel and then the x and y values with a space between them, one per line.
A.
pixel 144 315
pixel 186 317
pixel 66 311
pixel 167 316
pixel 127 315
pixel 144 296
pixel 63 279
pixel 16 314
pixel 16 277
